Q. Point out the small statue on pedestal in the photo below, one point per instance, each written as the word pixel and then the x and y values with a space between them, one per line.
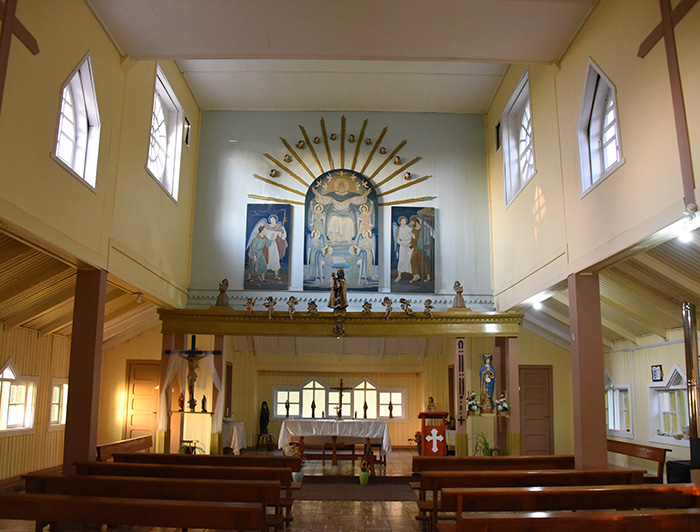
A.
pixel 406 306
pixel 292 304
pixel 428 308
pixel 181 402
pixel 366 308
pixel 204 403
pixel 249 303
pixel 459 300
pixel 270 306
pixel 312 308
pixel 222 298
pixel 387 307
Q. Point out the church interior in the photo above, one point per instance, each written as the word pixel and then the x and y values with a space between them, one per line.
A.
pixel 219 220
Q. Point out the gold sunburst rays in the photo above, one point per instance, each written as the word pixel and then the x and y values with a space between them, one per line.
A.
pixel 378 176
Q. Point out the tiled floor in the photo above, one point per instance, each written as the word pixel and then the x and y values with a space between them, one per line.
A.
pixel 335 516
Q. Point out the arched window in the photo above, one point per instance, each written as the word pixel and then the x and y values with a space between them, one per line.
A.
pixel 365 400
pixel 313 399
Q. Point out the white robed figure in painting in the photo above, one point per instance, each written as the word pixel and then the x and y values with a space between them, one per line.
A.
pixel 341 224
pixel 402 239
pixel 277 235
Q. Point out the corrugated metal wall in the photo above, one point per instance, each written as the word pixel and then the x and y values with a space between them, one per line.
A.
pixel 43 358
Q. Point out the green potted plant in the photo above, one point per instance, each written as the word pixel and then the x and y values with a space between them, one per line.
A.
pixel 483 447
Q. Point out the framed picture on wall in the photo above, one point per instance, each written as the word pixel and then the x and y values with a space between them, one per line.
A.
pixel 266 253
pixel 657 373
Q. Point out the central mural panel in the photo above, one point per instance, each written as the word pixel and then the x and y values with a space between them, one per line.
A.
pixel 340 227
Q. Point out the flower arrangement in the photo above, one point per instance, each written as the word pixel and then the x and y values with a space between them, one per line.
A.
pixel 473 404
pixel 417 439
pixel 297 449
pixel 502 406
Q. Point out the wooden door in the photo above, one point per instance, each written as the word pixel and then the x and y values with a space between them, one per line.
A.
pixel 536 423
pixel 142 398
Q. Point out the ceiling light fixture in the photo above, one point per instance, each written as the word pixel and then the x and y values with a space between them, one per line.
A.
pixel 537 305
pixel 138 297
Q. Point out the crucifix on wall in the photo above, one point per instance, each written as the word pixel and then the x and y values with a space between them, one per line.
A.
pixel 192 356
pixel 664 30
pixel 12 26
pixel 340 389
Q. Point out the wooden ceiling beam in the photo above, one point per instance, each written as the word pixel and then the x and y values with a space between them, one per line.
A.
pixel 12 250
pixel 634 316
pixel 43 307
pixel 684 282
pixel 662 304
pixel 30 282
pixel 619 329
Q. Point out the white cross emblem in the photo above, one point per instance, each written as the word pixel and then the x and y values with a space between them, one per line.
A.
pixel 434 438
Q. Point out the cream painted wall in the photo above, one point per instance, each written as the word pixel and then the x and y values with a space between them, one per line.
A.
pixel 113 385
pixel 41 358
pixel 535 350
pixel 628 364
pixel 127 224
pixel 643 196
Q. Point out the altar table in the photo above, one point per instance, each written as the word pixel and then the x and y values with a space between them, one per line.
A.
pixel 233 435
pixel 324 430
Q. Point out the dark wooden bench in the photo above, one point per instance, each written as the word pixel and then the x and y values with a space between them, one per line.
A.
pixel 551 498
pixel 585 521
pixel 646 452
pixel 228 460
pixel 131 445
pixel 489 463
pixel 50 508
pixel 433 482
pixel 281 474
pixel 260 491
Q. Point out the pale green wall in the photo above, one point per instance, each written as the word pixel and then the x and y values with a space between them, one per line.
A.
pixel 452 148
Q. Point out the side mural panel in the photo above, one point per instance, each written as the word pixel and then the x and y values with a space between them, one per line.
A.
pixel 266 255
pixel 412 249
pixel 341 231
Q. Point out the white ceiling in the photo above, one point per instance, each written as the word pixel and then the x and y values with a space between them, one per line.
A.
pixel 364 55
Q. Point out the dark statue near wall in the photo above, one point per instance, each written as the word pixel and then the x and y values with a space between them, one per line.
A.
pixel 264 418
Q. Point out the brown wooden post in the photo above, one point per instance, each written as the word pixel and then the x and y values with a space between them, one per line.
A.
pixel 587 372
pixel 82 408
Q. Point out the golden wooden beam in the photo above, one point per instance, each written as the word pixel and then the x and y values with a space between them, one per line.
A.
pixel 397 172
pixel 325 141
pixel 286 169
pixel 342 141
pixel 409 200
pixel 276 200
pixel 311 149
pixel 359 144
pixel 390 157
pixel 401 187
pixel 299 159
pixel 227 321
pixel 374 148
pixel 280 185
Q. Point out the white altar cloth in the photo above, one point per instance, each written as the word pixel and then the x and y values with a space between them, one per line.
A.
pixel 233 435
pixel 350 431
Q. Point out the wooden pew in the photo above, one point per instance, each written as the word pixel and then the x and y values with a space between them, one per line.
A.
pixel 489 463
pixel 585 521
pixel 435 481
pixel 131 445
pixel 258 491
pixel 281 474
pixel 228 460
pixel 646 452
pixel 52 508
pixel 621 497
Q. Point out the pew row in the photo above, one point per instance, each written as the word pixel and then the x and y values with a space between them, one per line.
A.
pixel 488 463
pixel 130 445
pixel 553 498
pixel 228 460
pixel 51 508
pixel 671 520
pixel 281 474
pixel 433 482
pixel 258 491
pixel 645 452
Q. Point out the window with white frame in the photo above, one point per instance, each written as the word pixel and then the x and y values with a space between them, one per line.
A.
pixel 365 399
pixel 617 408
pixel 313 399
pixel 59 400
pixel 287 403
pixel 518 140
pixel 381 403
pixel 17 394
pixel 668 409
pixel 167 126
pixel 78 138
pixel 598 129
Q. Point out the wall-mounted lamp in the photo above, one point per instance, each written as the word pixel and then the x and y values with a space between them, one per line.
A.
pixel 138 296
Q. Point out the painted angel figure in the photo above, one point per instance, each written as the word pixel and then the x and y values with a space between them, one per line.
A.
pixel 273 252
pixel 402 246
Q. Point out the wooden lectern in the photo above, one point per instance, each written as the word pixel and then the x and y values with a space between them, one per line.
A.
pixel 433 437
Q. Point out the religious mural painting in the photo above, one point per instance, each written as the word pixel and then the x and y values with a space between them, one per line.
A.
pixel 266 248
pixel 412 249
pixel 340 231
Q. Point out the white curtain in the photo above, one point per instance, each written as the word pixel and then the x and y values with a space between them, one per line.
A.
pixel 177 366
